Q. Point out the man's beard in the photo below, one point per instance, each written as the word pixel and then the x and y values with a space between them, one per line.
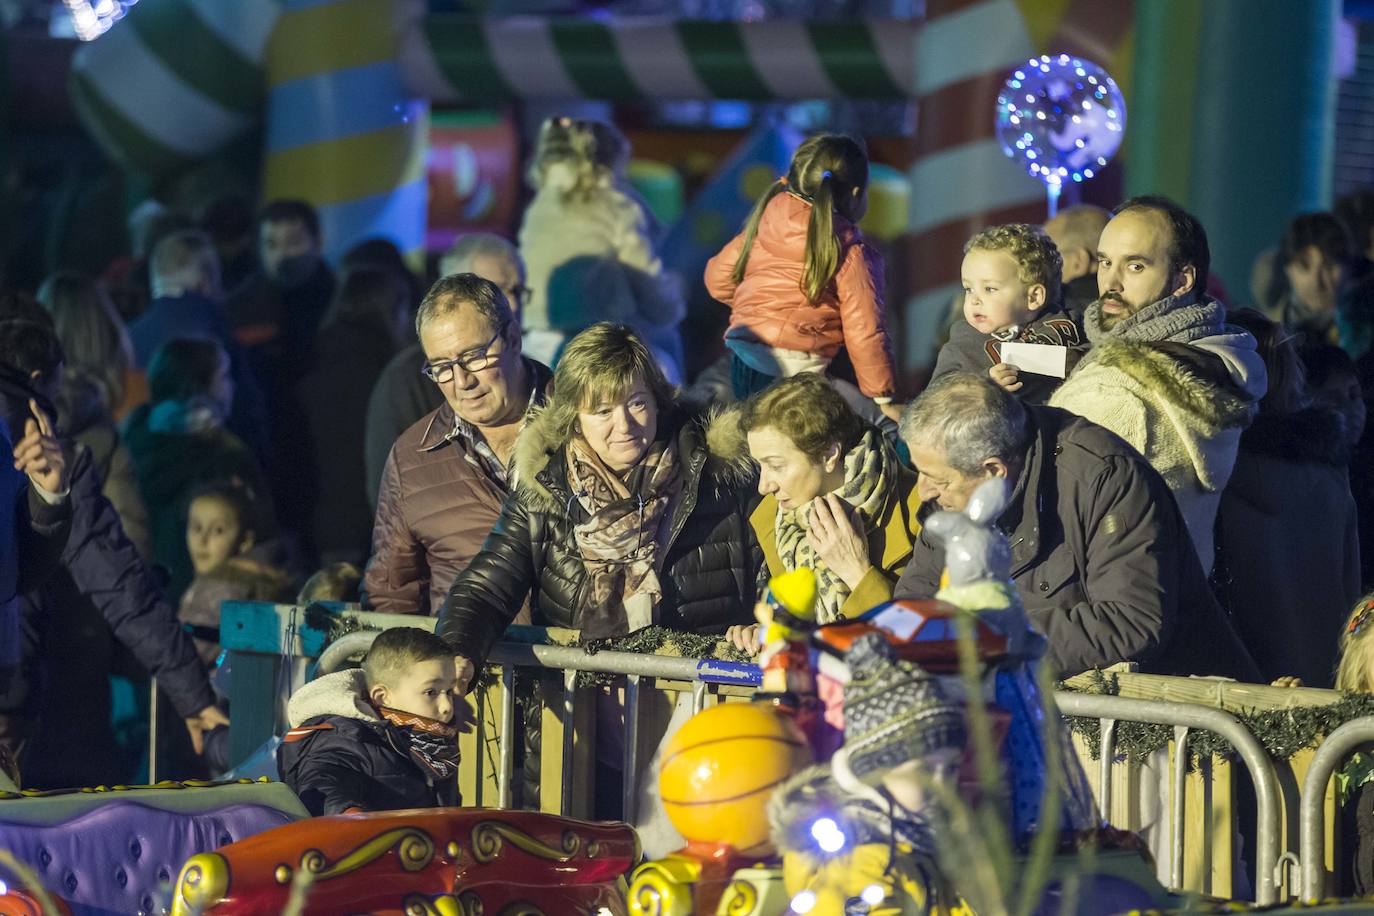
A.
pixel 1109 321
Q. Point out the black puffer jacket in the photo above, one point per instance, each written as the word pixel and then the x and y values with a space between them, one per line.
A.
pixel 708 573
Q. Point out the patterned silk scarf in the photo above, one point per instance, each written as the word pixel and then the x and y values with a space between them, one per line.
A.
pixel 432 744
pixel 869 474
pixel 619 541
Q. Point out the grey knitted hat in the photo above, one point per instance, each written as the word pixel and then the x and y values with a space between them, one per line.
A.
pixel 894 711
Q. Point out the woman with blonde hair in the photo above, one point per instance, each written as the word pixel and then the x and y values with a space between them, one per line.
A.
pixel 625 513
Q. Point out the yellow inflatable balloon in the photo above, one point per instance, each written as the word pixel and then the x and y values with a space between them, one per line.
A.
pixel 720 769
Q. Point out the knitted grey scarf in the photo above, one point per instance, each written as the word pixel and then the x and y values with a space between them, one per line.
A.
pixel 1168 319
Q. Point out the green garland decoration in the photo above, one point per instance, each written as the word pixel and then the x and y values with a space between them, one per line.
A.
pixel 1282 732
pixel 650 641
pixel 335 625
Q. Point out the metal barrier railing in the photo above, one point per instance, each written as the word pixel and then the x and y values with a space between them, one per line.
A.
pixel 1183 717
pixel 1311 819
pixel 701 673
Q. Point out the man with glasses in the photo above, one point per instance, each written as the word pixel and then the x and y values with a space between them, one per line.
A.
pixel 402 395
pixel 445 478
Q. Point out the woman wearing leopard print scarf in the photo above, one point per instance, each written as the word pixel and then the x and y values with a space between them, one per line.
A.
pixel 835 497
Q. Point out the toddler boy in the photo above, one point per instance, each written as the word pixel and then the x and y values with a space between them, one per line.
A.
pixel 379 738
pixel 1011 278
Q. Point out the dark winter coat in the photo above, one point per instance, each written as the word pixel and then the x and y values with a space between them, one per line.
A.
pixel 101 594
pixel 276 327
pixel 1102 559
pixel 34 534
pixel 339 755
pixel 349 358
pixel 437 506
pixel 1288 559
pixel 709 566
pixel 169 468
pixel 1079 293
pixel 400 398
pixel 970 350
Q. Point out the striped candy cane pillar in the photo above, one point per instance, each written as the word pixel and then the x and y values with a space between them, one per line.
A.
pixel 960 180
pixel 181 78
pixel 175 82
pixel 461 58
pixel 342 131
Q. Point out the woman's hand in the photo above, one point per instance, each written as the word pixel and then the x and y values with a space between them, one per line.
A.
pixel 464 671
pixel 892 411
pixel 744 637
pixel 1287 681
pixel 837 535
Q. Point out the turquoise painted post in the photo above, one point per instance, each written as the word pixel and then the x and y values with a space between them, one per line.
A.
pixel 1262 126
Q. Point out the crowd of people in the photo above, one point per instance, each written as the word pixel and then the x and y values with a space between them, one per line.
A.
pixel 227 412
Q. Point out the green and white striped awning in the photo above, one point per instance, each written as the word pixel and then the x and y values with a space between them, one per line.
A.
pixel 479 60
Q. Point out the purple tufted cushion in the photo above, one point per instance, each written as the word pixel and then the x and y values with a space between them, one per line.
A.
pixel 123 857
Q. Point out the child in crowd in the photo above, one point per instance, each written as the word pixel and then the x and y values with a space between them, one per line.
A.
pixel 587 240
pixel 1011 277
pixel 801 282
pixel 1355 674
pixel 233 558
pixel 336 582
pixel 379 738
pixel 178 441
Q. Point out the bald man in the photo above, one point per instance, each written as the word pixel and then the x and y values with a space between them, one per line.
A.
pixel 1075 231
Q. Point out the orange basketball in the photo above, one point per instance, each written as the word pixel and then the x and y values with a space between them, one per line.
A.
pixel 719 770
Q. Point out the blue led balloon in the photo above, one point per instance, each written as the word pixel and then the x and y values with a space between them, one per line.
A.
pixel 1063 117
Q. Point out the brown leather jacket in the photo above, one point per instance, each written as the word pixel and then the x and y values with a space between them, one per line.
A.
pixel 436 506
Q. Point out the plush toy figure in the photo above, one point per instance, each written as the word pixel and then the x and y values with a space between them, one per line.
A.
pixel 977 580
pixel 859 832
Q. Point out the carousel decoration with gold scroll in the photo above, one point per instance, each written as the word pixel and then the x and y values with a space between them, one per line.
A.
pixel 448 861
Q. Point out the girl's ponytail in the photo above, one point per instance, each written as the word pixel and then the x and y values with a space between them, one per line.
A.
pixel 751 227
pixel 826 170
pixel 822 247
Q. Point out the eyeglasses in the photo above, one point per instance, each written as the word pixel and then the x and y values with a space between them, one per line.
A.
pixel 519 295
pixel 472 361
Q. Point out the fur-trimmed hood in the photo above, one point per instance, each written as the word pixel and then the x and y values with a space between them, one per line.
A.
pixel 343 693
pixel 716 436
pixel 1173 323
pixel 1159 370
pixel 1313 435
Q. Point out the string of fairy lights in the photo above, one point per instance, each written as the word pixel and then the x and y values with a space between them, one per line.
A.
pixel 93 18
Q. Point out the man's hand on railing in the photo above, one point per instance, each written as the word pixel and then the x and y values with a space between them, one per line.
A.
pixel 202 722
pixel 744 638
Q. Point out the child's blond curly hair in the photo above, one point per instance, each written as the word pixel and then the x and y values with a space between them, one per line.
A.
pixel 1037 258
pixel 592 149
pixel 1355 670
